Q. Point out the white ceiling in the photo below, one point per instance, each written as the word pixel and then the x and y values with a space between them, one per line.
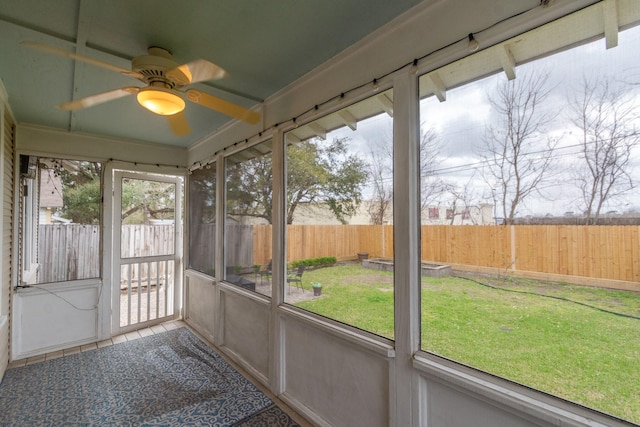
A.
pixel 263 45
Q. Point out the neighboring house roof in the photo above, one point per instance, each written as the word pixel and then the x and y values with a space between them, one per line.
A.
pixel 50 189
pixel 319 213
pixel 605 219
pixel 55 219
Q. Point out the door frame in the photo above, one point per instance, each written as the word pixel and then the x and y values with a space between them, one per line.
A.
pixel 110 325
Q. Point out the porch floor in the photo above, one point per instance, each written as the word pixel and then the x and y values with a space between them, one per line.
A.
pixel 153 330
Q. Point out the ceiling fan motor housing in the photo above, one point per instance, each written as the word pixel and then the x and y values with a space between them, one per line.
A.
pixel 154 68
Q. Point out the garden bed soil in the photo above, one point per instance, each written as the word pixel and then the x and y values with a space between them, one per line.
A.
pixel 428 269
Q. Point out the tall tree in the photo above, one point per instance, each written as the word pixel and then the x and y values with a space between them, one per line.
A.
pixel 81 189
pixel 141 201
pixel 517 153
pixel 202 193
pixel 249 185
pixel 607 118
pixel 202 218
pixel 318 172
pixel 81 203
pixel 81 192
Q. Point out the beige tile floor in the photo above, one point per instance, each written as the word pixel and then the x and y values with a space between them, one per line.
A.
pixel 157 329
pixel 130 336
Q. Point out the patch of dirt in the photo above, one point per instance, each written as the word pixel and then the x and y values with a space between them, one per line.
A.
pixel 293 294
pixel 513 282
pixel 369 278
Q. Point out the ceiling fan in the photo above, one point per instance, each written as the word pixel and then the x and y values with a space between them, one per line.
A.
pixel 164 92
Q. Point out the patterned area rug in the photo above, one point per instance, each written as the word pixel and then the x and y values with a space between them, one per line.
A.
pixel 169 379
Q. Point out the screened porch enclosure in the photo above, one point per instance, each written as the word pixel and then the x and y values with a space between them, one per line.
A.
pixel 120 271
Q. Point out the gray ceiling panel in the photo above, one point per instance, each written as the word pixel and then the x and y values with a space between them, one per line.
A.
pixel 264 46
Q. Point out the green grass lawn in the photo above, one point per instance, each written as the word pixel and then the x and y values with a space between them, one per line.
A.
pixel 354 295
pixel 586 350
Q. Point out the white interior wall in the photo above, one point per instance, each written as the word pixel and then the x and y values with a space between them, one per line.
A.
pixel 244 329
pixel 201 317
pixel 56 143
pixel 5 285
pixel 45 322
pixel 4 344
pixel 335 380
pixel 325 370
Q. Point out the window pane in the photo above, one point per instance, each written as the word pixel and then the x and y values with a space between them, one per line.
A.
pixel 61 218
pixel 530 273
pixel 202 219
pixel 339 212
pixel 249 184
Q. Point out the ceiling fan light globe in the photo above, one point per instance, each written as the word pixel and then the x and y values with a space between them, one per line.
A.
pixel 160 101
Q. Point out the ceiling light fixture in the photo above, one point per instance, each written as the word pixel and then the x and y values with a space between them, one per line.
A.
pixel 473 43
pixel 160 101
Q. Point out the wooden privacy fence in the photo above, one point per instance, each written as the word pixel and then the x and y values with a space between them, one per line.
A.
pixel 68 252
pixel 141 240
pixel 144 240
pixel 608 252
pixel 312 241
pixel 239 245
pixel 602 252
pixel 72 251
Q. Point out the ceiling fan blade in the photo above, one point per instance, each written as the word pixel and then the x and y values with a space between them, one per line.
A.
pixel 99 98
pixel 195 71
pixel 179 124
pixel 224 107
pixel 58 51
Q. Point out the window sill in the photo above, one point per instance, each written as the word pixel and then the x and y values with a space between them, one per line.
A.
pixel 58 286
pixel 361 339
pixel 513 397
pixel 199 275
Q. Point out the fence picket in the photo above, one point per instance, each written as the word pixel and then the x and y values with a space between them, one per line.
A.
pixel 71 251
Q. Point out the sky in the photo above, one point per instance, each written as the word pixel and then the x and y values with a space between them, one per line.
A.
pixel 461 120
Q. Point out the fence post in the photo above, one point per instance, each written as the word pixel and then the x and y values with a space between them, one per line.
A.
pixel 513 247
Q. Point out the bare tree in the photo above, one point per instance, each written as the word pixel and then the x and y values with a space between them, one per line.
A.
pixel 381 175
pixel 517 153
pixel 462 202
pixel 607 119
pixel 432 187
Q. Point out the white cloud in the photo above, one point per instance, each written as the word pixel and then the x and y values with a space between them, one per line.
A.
pixel 461 120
